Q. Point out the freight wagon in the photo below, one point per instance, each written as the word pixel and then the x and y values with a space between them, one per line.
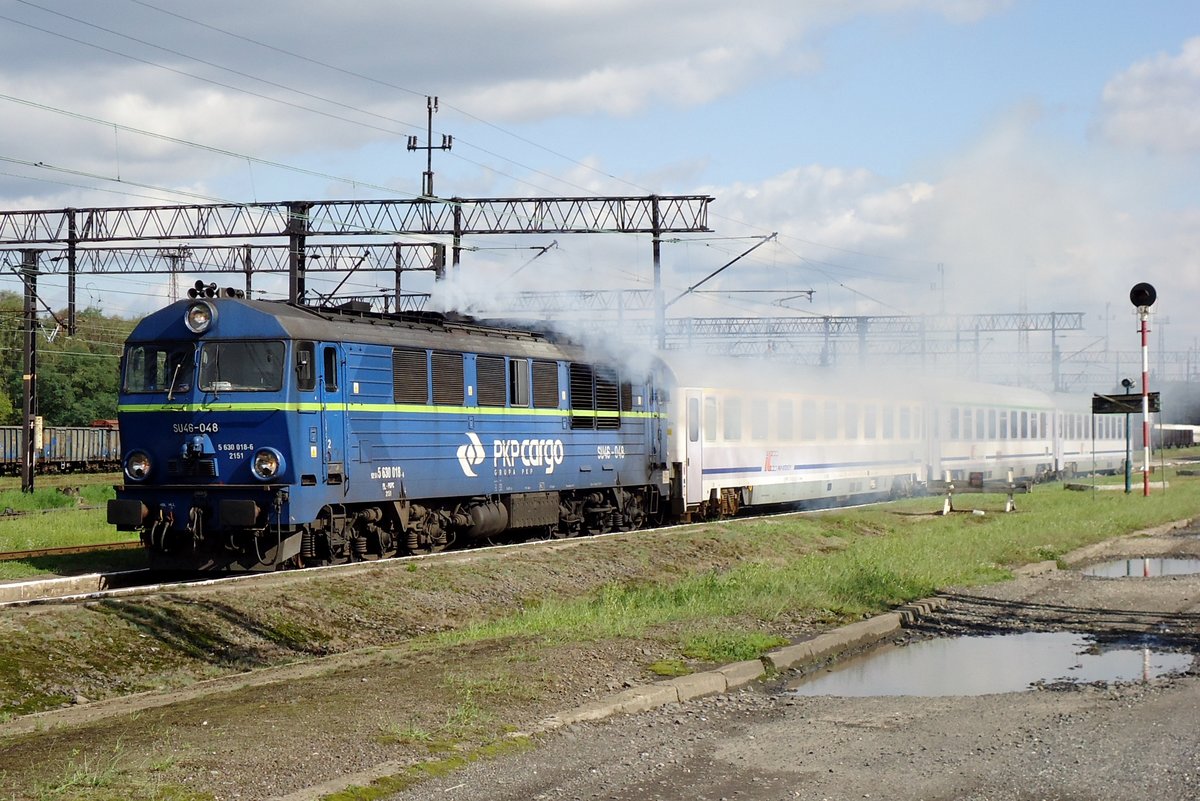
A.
pixel 64 449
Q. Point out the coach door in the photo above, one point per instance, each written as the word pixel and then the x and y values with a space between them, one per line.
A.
pixel 333 416
pixel 693 482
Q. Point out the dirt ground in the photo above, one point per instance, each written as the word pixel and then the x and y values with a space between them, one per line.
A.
pixel 1063 742
pixel 296 731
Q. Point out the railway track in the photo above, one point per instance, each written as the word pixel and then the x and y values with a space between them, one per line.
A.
pixel 69 550
pixel 97 586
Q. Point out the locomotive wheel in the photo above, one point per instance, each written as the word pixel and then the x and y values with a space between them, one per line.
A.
pixel 570 519
pixel 635 512
pixel 565 531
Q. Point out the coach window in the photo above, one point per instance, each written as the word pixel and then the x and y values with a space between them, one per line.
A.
pixel 905 422
pixel 758 418
pixel 710 419
pixel 991 424
pixel 1013 430
pixel 968 423
pixel 852 413
pixel 787 417
pixel 1024 425
pixel 870 421
pixel 808 420
pixel 733 419
pixel 888 431
pixel 306 366
pixel 693 420
pixel 953 422
pixel 830 420
pixel 518 382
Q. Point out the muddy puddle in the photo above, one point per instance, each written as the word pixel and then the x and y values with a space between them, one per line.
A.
pixel 1144 567
pixel 982 665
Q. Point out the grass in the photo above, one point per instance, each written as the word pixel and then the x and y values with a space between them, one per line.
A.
pixel 107 778
pixel 873 559
pixel 386 786
pixel 50 517
pixel 58 529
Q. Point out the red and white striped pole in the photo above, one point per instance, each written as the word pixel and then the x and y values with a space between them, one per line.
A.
pixel 1144 313
pixel 1143 296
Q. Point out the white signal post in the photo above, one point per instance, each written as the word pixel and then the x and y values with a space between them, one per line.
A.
pixel 1143 296
pixel 1144 313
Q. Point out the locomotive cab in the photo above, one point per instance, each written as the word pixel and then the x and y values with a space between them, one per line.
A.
pixel 208 445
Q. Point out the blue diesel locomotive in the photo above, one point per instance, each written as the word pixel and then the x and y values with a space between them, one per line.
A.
pixel 260 435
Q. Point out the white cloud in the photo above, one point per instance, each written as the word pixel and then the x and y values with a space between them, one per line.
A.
pixel 1155 104
pixel 509 62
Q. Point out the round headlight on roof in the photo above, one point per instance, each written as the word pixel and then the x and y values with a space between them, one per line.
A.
pixel 200 316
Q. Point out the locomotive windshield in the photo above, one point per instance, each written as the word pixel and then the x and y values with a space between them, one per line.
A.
pixel 254 365
pixel 160 367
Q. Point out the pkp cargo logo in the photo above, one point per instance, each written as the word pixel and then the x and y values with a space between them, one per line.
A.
pixel 471 455
pixel 511 456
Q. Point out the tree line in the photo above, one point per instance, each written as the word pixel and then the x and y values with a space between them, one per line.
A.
pixel 77 376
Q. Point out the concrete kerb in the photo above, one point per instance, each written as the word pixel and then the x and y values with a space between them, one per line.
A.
pixel 819 648
pixel 740 674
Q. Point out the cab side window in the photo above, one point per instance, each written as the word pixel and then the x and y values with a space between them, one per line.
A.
pixel 330 368
pixel 306 371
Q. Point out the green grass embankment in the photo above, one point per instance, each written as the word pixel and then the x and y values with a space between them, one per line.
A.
pixel 48 517
pixel 845 564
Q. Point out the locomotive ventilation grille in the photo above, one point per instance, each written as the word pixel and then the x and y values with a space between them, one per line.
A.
pixel 192 468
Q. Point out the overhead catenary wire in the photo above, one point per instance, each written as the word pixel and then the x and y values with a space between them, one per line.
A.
pixel 259 95
pixel 388 84
pixel 66 170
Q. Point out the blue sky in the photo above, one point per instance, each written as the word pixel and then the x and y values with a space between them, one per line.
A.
pixel 984 155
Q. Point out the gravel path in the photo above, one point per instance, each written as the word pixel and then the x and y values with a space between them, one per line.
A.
pixel 1131 741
